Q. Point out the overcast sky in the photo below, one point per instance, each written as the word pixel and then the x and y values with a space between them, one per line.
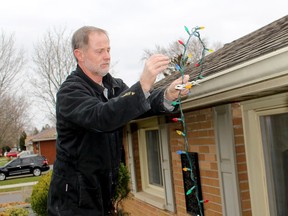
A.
pixel 134 25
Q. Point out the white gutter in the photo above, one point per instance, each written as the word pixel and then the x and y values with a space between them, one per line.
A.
pixel 265 73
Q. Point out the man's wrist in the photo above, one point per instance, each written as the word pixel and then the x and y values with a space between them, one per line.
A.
pixel 168 103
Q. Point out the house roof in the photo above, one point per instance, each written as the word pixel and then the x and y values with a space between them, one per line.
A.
pixel 265 40
pixel 47 134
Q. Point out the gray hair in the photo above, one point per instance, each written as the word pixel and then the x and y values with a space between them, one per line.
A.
pixel 81 36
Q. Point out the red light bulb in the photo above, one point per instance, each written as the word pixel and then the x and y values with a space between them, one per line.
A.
pixel 176 119
pixel 181 42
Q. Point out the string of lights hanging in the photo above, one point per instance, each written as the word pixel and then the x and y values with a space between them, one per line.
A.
pixel 184 62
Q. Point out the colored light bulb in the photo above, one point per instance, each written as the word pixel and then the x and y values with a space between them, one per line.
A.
pixel 190 190
pixel 186 169
pixel 204 201
pixel 176 119
pixel 180 152
pixel 188 86
pixel 189 55
pixel 178 68
pixel 180 133
pixel 197 64
pixel 181 42
pixel 175 103
pixel 187 30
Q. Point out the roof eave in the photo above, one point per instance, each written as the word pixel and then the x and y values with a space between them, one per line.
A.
pixel 264 73
pixel 43 139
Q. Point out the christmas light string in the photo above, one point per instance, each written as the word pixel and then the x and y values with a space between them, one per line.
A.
pixel 184 61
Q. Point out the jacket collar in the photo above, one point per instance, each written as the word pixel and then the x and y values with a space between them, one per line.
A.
pixel 108 81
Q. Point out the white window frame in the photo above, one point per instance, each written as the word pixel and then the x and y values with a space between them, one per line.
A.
pixel 160 198
pixel 252 111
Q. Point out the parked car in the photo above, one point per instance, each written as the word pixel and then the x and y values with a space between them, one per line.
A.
pixel 31 164
pixel 12 154
pixel 25 153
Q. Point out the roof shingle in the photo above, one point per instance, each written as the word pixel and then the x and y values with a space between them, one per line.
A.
pixel 269 38
pixel 47 134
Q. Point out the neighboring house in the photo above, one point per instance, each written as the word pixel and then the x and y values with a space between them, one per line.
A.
pixel 43 143
pixel 237 122
pixel 29 143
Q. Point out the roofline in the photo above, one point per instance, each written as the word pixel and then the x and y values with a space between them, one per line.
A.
pixel 43 139
pixel 266 72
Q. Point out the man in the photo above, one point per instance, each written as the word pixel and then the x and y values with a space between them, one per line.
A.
pixel 92 107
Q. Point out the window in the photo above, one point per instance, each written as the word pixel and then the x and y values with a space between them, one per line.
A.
pixel 150 159
pixel 14 163
pixel 26 161
pixel 153 158
pixel 265 128
pixel 275 146
pixel 149 162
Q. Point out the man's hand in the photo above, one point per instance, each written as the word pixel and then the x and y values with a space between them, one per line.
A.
pixel 172 93
pixel 153 66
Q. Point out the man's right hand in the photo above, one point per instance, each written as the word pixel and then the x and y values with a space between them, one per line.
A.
pixel 154 65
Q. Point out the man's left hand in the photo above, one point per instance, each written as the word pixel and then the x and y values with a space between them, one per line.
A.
pixel 171 93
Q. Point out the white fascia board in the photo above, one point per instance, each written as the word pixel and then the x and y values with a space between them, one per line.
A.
pixel 263 73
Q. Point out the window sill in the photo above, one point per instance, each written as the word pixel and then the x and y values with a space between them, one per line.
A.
pixel 150 199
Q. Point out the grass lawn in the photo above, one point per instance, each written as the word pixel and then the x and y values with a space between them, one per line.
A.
pixel 19 179
pixel 3 160
pixel 16 181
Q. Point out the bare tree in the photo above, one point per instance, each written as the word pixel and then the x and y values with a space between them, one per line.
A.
pixel 53 60
pixel 11 62
pixel 13 117
pixel 12 106
pixel 174 51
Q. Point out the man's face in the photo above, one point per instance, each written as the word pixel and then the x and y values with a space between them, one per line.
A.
pixel 97 54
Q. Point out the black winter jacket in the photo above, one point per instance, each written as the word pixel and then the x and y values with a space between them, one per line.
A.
pixel 89 138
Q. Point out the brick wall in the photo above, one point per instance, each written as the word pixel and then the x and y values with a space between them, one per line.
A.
pixel 200 132
pixel 202 140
